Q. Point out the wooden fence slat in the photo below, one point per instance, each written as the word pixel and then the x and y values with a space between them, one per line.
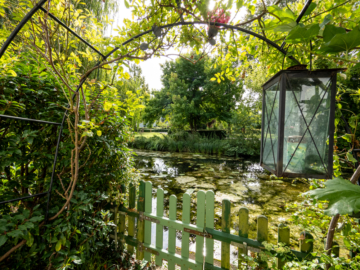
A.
pixel 159 227
pixel 121 219
pixel 283 237
pixel 148 209
pixel 209 224
pixel 185 235
pixel 172 231
pixel 225 227
pixel 306 246
pixel 262 233
pixel 140 223
pixel 131 220
pixel 200 222
pixel 243 231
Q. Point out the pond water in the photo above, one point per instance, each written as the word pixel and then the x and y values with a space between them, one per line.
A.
pixel 242 181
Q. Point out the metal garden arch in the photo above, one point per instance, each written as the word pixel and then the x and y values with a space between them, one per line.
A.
pixel 39 5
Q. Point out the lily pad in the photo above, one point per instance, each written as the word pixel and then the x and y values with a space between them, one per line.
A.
pixel 185 179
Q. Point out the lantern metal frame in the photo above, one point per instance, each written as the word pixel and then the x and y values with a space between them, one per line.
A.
pixel 282 79
pixel 38 6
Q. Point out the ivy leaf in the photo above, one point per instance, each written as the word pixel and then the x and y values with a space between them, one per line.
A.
pixel 3 240
pixel 350 157
pixel 302 34
pixel 342 42
pixel 343 196
pixel 331 30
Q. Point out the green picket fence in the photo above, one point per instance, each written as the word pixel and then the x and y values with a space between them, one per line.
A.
pixel 139 235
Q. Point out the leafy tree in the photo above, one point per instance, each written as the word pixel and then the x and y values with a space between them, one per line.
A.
pixel 188 95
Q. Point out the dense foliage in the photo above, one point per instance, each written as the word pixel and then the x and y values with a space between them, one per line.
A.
pixel 189 99
pixel 93 146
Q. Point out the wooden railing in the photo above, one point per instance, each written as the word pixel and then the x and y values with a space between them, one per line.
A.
pixel 139 236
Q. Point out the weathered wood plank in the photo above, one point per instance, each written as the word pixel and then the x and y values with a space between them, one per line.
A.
pixel 283 237
pixel 209 224
pixel 131 220
pixel 148 209
pixel 306 242
pixel 140 223
pixel 262 233
pixel 172 231
pixel 225 227
pixel 243 231
pixel 159 227
pixel 185 235
pixel 200 222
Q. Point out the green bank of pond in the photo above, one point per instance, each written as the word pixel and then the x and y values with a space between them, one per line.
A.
pixel 242 181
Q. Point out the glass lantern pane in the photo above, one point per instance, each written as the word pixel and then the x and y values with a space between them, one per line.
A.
pixel 307 112
pixel 270 143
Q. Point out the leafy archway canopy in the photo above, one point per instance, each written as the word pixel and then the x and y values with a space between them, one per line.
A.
pixel 329 29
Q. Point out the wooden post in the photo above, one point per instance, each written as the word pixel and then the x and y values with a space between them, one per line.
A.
pixel 122 226
pixel 335 248
pixel 140 227
pixel 209 224
pixel 131 220
pixel 172 231
pixel 225 227
pixel 243 231
pixel 159 227
pixel 283 237
pixel 148 210
pixel 200 222
pixel 262 233
pixel 185 235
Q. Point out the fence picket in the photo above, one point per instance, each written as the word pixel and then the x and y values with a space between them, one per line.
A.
pixel 306 243
pixel 140 223
pixel 283 237
pixel 131 220
pixel 243 231
pixel 121 219
pixel 262 233
pixel 225 227
pixel 159 227
pixel 148 210
pixel 185 235
pixel 209 224
pixel 200 222
pixel 172 231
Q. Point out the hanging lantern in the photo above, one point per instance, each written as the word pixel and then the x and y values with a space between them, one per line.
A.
pixel 298 123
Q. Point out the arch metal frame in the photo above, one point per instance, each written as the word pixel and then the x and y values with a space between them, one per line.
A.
pixel 39 6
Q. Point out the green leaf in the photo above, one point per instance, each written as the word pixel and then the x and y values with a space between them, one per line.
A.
pixel 16 233
pixel 30 240
pixel 3 240
pixel 58 245
pixel 350 157
pixel 126 4
pixel 282 14
pixel 342 42
pixel 35 219
pixel 343 197
pixel 347 137
pixel 302 34
pixel 310 9
pixel 326 20
pixel 287 27
pixel 239 3
pixel 331 30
